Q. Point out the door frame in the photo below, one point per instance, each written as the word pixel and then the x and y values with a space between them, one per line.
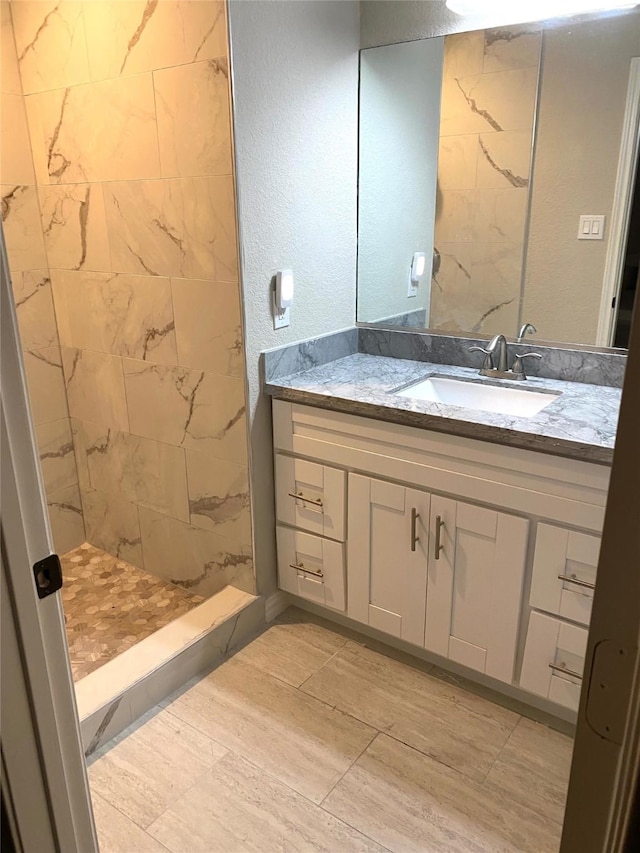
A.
pixel 621 210
pixel 36 628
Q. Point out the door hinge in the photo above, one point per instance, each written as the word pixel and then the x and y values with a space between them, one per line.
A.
pixel 48 575
pixel 613 301
pixel 611 673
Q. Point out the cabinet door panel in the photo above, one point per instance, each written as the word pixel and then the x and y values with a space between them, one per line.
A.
pixel 386 578
pixel 475 586
pixel 311 567
pixel 559 554
pixel 310 496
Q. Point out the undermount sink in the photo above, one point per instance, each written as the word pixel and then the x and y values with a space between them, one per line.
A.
pixel 478 394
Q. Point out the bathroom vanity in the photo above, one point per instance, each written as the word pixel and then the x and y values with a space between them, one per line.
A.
pixel 470 534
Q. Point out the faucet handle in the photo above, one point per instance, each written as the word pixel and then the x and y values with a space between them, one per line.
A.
pixel 518 367
pixel 487 364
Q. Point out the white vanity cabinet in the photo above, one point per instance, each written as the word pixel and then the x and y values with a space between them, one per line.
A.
pixel 481 553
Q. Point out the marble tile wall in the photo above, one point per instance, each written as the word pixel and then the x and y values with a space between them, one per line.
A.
pixel 128 113
pixel 488 104
pixel 31 280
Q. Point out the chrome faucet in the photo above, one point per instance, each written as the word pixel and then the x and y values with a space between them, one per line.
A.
pixel 496 360
pixel 526 328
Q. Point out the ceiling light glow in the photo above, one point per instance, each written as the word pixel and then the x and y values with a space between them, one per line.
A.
pixel 529 10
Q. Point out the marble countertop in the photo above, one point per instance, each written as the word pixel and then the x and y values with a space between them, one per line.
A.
pixel 580 424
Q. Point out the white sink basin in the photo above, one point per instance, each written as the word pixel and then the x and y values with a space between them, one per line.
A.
pixel 472 394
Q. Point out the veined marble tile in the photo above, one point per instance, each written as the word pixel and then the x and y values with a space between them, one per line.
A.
pixel 9 72
pixel 95 387
pixel 51 45
pixel 74 225
pixel 16 165
pixel 142 35
pixel 478 288
pixel 197 560
pixel 34 307
pixel 111 523
pixel 499 216
pixel 408 802
pixel 22 229
pixel 293 648
pixel 177 227
pixel 116 313
pixel 504 159
pixel 533 770
pixel 194 132
pixel 119 834
pixel 97 132
pixel 57 458
pixel 289 735
pixel 512 47
pixel 457 160
pixel 145 771
pixel 135 468
pixel 237 807
pixel 208 325
pixel 45 382
pixel 463 54
pixel 219 495
pixel 504 100
pixel 65 517
pixel 447 723
pixel 187 408
pixel 455 215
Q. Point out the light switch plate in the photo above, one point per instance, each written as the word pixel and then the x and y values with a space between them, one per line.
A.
pixel 591 227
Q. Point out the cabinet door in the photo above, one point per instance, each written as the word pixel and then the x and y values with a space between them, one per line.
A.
pixel 310 496
pixel 476 569
pixel 387 557
pixel 564 572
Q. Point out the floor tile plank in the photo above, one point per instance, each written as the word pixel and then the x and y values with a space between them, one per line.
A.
pixel 119 834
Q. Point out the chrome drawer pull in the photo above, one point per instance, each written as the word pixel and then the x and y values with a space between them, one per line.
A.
pixel 562 668
pixel 576 581
pixel 314 501
pixel 414 537
pixel 301 568
pixel 439 526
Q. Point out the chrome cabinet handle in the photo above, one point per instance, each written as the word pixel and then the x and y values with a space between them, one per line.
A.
pixel 300 568
pixel 439 526
pixel 562 668
pixel 414 518
pixel 314 501
pixel 576 581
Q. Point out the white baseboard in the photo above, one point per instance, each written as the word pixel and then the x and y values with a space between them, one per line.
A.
pixel 275 604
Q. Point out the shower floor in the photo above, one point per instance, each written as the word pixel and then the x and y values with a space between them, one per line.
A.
pixel 110 605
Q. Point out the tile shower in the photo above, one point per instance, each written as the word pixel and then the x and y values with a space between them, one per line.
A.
pixel 489 91
pixel 118 212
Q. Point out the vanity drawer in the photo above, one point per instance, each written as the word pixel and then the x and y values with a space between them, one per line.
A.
pixel 310 496
pixel 564 572
pixel 311 567
pixel 554 660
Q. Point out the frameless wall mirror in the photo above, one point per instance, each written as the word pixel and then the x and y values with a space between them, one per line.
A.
pixel 508 157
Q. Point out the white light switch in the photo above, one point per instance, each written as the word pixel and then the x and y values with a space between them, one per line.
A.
pixel 591 227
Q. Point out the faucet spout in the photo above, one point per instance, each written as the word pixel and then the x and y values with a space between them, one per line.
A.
pixel 498 347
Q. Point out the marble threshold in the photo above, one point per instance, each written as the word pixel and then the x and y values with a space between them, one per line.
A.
pixel 119 692
pixel 579 424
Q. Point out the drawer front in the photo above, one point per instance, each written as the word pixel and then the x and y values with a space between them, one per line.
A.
pixel 554 660
pixel 564 572
pixel 311 567
pixel 310 496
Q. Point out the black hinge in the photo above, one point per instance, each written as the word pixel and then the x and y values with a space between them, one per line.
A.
pixel 613 302
pixel 48 575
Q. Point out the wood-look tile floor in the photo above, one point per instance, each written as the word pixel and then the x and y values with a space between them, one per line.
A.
pixel 309 740
pixel 110 605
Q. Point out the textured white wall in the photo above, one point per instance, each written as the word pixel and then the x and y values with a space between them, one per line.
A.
pixel 399 132
pixel 295 85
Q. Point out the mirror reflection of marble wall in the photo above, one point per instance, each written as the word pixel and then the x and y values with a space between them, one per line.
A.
pixel 489 88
